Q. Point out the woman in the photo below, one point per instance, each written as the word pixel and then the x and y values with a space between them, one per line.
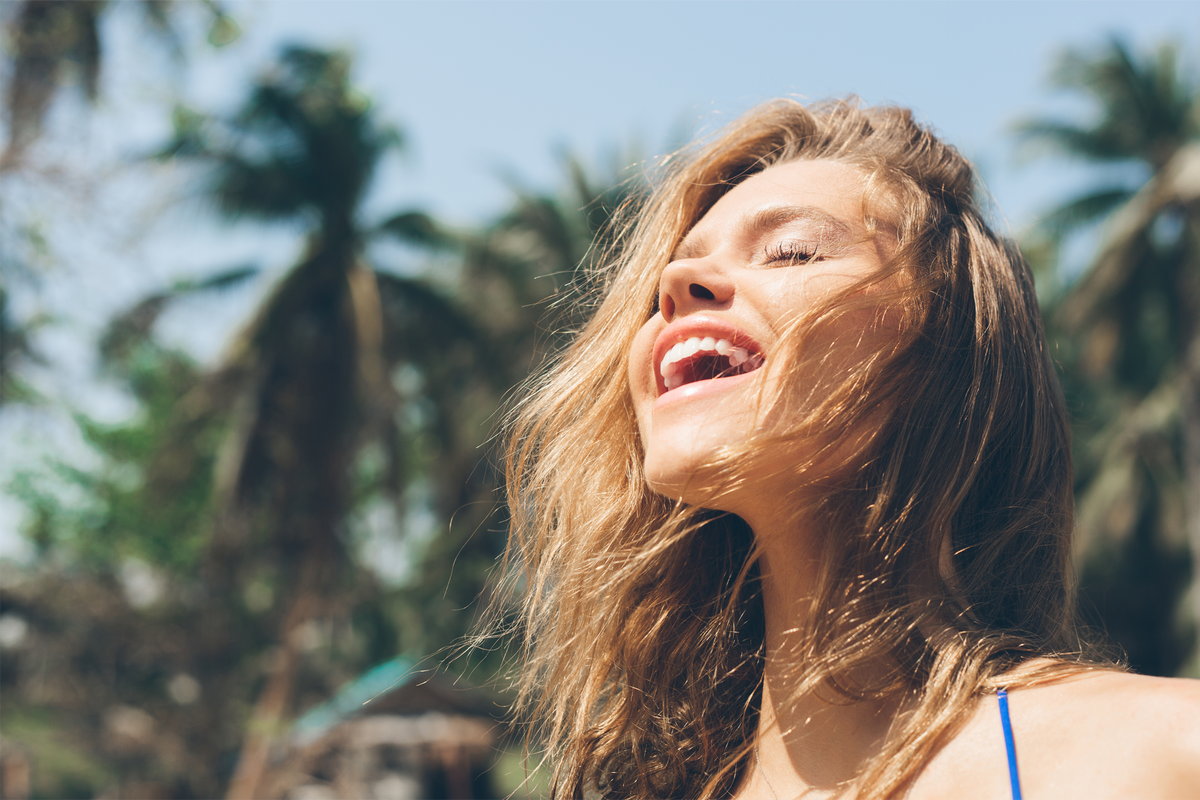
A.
pixel 793 514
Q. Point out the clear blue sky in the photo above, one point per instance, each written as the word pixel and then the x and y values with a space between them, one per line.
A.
pixel 487 87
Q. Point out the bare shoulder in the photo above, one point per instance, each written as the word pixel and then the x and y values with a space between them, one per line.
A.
pixel 1092 736
pixel 1109 734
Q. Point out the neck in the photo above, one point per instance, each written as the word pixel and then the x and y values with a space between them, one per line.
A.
pixel 810 741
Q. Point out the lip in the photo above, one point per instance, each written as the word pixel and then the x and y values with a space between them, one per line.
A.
pixel 700 325
pixel 700 388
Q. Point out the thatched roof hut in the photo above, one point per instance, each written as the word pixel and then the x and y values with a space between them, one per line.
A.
pixel 395 733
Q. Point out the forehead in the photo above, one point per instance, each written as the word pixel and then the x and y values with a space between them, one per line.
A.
pixel 828 192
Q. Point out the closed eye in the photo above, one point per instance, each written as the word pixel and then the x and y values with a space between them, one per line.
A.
pixel 791 254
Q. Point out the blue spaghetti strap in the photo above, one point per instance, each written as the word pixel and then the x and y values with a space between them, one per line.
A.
pixel 1009 745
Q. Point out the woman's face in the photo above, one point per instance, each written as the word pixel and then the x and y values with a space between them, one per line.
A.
pixel 776 246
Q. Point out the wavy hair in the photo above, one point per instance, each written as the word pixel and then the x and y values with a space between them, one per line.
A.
pixel 641 617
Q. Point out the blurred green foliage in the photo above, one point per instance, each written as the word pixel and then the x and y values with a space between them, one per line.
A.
pixel 57 43
pixel 227 520
pixel 1126 332
pixel 123 517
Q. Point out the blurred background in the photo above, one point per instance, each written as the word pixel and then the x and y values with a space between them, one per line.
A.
pixel 268 270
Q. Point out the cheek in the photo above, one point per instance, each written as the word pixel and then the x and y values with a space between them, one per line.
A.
pixel 818 373
pixel 642 384
pixel 850 344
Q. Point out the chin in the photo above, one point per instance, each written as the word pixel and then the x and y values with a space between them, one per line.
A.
pixel 681 479
pixel 697 477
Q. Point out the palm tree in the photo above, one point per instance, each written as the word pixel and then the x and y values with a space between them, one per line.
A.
pixel 52 38
pixel 308 386
pixel 543 250
pixel 522 278
pixel 1131 324
pixel 350 380
pixel 50 44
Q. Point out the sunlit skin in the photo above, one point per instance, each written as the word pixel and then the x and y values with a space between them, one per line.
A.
pixel 776 246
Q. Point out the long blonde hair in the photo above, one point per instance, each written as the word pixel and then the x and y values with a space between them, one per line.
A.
pixel 641 619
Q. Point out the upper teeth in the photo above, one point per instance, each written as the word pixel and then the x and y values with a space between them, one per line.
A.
pixel 670 363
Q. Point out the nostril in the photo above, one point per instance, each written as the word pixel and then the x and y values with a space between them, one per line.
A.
pixel 700 292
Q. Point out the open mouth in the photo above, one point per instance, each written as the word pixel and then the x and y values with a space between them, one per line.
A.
pixel 705 358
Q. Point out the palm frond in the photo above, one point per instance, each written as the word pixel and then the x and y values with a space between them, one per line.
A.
pixel 48 37
pixel 1073 141
pixel 53 38
pixel 133 327
pixel 423 320
pixel 1106 513
pixel 1083 211
pixel 1116 270
pixel 303 142
pixel 415 228
pixel 274 188
pixel 1145 108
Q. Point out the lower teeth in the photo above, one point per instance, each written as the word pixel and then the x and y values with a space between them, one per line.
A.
pixel 748 364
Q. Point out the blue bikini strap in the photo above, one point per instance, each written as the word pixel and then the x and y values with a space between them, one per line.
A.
pixel 1009 745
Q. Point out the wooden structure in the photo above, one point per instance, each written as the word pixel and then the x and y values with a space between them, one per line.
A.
pixel 428 738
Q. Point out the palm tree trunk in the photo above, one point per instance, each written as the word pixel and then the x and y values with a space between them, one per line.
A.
pixel 1191 475
pixel 264 726
pixel 1190 421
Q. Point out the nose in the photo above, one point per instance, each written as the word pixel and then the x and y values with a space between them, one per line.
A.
pixel 693 284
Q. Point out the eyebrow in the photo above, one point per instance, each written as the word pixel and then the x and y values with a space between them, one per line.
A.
pixel 769 218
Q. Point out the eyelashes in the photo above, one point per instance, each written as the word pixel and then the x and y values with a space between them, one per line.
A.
pixel 790 254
